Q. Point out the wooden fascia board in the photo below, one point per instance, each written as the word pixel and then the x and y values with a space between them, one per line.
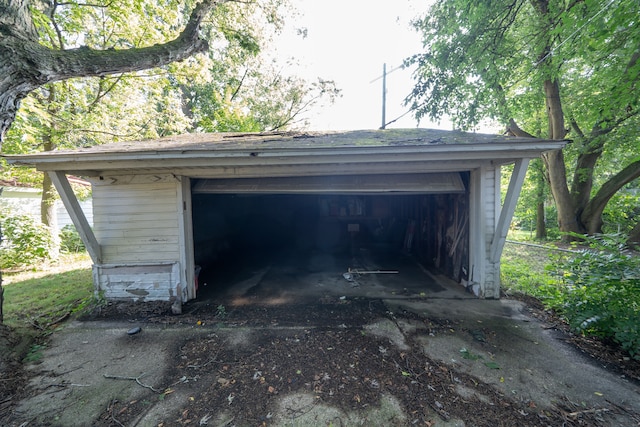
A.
pixel 70 201
pixel 399 160
pixel 508 208
pixel 262 156
pixel 278 170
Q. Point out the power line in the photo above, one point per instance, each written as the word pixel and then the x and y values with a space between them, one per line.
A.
pixel 399 67
pixel 398 118
pixel 384 75
pixel 551 52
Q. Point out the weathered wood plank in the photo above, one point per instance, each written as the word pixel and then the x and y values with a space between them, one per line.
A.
pixel 508 208
pixel 143 282
pixel 133 179
pixel 72 205
pixel 185 239
pixel 116 232
pixel 133 220
pixel 138 222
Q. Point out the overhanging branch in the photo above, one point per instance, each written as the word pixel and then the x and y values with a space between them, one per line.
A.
pixel 29 65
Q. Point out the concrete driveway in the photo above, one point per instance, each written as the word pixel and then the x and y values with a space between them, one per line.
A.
pixel 89 364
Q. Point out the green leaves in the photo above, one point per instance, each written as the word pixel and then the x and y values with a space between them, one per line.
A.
pixel 599 293
pixel 487 59
pixel 466 354
pixel 24 242
pixel 504 59
pixel 472 59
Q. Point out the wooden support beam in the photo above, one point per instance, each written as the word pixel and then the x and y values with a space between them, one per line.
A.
pixel 72 205
pixel 508 208
pixel 185 229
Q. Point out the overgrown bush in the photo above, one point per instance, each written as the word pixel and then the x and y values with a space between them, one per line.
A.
pixel 598 292
pixel 25 242
pixel 70 241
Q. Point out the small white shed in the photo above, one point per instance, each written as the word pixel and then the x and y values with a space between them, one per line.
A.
pixel 162 208
pixel 26 201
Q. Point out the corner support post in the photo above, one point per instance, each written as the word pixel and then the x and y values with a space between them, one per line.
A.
pixel 508 208
pixel 74 209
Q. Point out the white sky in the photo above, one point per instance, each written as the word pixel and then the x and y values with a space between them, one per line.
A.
pixel 348 41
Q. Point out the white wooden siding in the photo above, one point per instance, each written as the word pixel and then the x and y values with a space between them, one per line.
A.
pixel 490 202
pixel 137 227
pixel 143 282
pixel 26 201
pixel 137 222
pixel 491 287
pixel 485 203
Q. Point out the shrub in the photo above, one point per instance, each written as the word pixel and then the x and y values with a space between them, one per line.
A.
pixel 599 292
pixel 70 241
pixel 25 242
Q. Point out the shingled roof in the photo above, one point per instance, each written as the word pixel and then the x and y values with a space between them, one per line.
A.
pixel 200 145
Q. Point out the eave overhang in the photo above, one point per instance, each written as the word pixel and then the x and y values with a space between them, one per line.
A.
pixel 290 154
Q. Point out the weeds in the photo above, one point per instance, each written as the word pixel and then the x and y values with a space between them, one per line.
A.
pixel 35 353
pixel 221 312
pixel 598 292
pixel 596 289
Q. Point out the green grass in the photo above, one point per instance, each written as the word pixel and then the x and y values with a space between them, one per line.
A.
pixel 41 297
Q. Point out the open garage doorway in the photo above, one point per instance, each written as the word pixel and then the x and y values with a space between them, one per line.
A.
pixel 269 240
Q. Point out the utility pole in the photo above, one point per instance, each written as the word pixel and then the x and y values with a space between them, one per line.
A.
pixel 384 96
pixel 384 93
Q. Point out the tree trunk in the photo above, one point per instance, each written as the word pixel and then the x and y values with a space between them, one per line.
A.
pixel 582 183
pixel 554 161
pixel 48 200
pixel 567 221
pixel 634 237
pixel 26 65
pixel 540 185
pixel 541 226
pixel 48 215
pixel 47 203
pixel 592 214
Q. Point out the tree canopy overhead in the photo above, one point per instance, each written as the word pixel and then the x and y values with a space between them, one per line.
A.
pixel 26 63
pixel 229 87
pixel 550 68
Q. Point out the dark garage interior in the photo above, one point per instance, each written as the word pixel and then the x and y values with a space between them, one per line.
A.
pixel 296 233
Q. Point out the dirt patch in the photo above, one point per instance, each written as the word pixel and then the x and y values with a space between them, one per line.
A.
pixel 342 369
pixel 332 361
pixel 14 346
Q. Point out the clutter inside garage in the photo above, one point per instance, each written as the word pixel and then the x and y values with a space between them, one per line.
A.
pixel 235 233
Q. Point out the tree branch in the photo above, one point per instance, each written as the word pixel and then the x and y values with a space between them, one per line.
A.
pixel 592 215
pixel 136 379
pixel 87 62
pixel 576 127
pixel 29 65
pixel 514 130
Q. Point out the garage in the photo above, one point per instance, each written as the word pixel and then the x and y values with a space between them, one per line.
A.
pixel 271 209
pixel 330 225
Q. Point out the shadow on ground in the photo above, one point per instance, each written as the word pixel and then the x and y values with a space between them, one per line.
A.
pixel 285 346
